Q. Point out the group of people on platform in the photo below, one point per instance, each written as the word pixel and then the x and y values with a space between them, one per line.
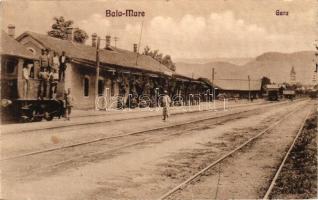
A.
pixel 52 71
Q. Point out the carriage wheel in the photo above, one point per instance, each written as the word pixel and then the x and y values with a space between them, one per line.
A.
pixel 25 119
pixel 48 116
pixel 36 116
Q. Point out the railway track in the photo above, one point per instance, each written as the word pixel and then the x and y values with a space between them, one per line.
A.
pixel 128 134
pixel 93 155
pixel 218 161
pixel 81 124
pixel 119 136
pixel 272 184
pixel 142 141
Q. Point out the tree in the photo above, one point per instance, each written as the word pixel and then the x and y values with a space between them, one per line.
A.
pixel 165 60
pixel 60 27
pixel 146 50
pixel 265 81
pixel 159 57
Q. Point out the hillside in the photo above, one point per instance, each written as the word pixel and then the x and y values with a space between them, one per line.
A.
pixel 274 65
pixel 235 61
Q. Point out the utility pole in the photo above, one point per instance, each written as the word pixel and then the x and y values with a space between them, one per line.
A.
pixel 249 87
pixel 314 79
pixel 213 84
pixel 97 68
pixel 142 23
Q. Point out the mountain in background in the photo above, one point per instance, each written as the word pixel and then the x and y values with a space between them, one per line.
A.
pixel 235 61
pixel 274 65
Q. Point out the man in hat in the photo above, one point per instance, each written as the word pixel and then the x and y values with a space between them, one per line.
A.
pixel 62 61
pixel 55 61
pixel 165 105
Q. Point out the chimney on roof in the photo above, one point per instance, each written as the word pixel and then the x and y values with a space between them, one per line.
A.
pixel 107 46
pixel 94 40
pixel 69 33
pixel 135 48
pixel 11 30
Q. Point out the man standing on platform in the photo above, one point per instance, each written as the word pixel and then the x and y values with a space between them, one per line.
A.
pixel 55 61
pixel 44 77
pixel 165 104
pixel 54 78
pixel 68 103
pixel 62 68
pixel 25 77
pixel 44 59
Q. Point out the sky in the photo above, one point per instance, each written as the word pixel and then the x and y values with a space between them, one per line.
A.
pixel 181 28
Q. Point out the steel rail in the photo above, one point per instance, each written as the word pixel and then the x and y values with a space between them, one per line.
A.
pixel 123 135
pixel 122 146
pixel 271 186
pixel 113 149
pixel 127 134
pixel 184 183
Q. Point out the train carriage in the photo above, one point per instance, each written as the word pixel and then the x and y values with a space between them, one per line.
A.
pixel 289 94
pixel 19 97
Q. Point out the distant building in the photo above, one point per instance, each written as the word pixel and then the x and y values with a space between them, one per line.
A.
pixel 238 88
pixel 292 76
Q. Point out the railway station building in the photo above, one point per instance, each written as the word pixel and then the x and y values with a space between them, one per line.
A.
pixel 124 74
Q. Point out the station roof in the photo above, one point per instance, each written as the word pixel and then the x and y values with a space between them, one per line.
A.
pixel 237 84
pixel 11 47
pixel 114 56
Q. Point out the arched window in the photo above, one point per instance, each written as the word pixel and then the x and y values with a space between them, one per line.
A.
pixel 11 66
pixel 86 86
pixel 32 50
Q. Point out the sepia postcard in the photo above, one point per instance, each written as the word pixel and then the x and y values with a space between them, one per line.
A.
pixel 158 99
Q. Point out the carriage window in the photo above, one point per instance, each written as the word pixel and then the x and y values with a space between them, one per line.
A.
pixel 10 66
pixel 101 87
pixel 86 86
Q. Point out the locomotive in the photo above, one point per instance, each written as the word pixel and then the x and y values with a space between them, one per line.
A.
pixel 272 92
pixel 313 93
pixel 19 98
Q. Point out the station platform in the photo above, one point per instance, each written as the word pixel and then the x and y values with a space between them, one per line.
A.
pixel 87 117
